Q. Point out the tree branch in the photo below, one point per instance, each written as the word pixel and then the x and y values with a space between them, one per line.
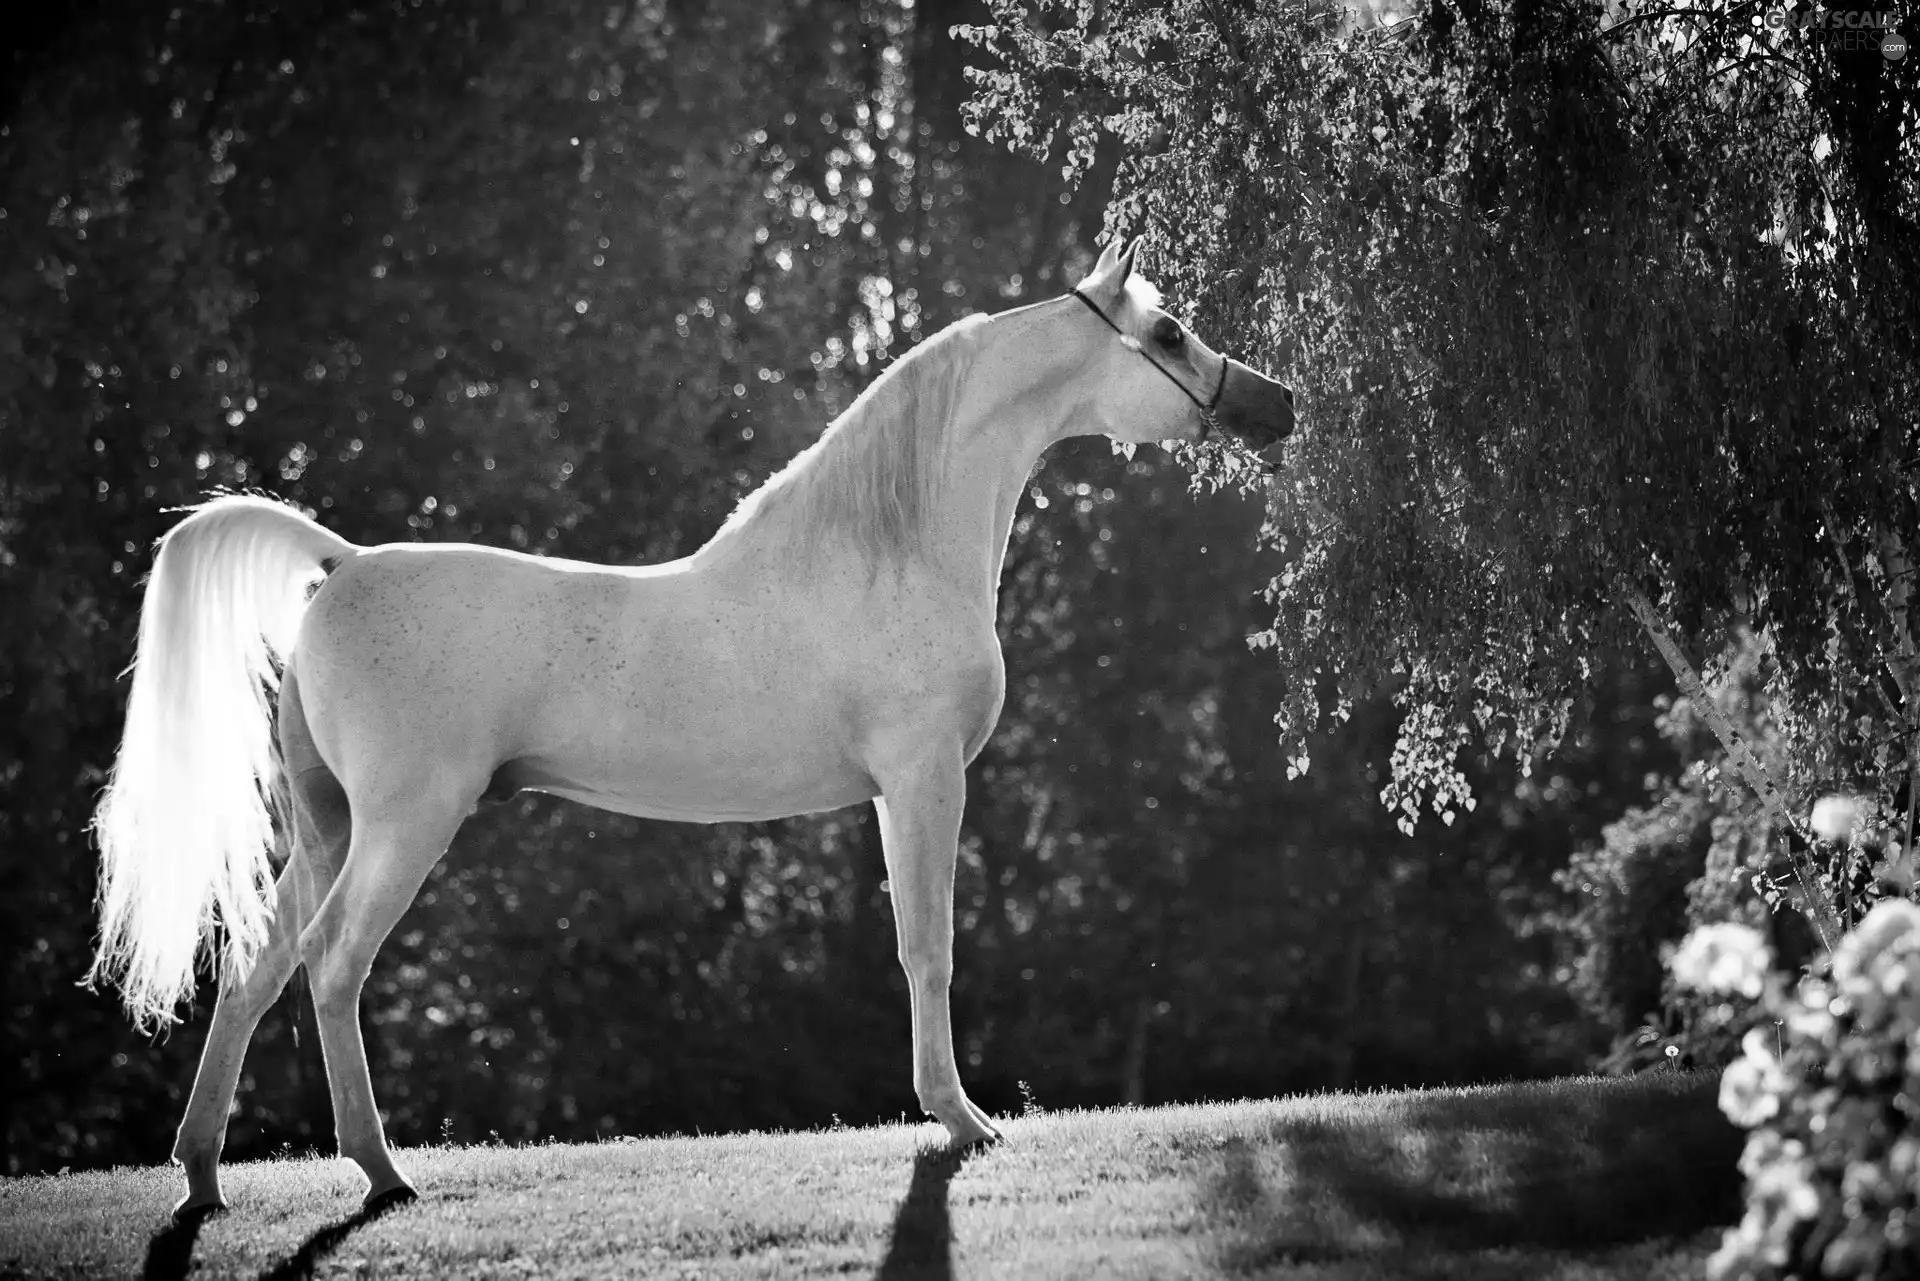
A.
pixel 1816 905
pixel 1904 663
pixel 1699 17
pixel 1853 589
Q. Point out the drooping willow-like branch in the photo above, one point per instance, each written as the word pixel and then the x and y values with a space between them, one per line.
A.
pixel 1819 909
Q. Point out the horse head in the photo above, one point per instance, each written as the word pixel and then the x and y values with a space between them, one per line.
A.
pixel 1161 382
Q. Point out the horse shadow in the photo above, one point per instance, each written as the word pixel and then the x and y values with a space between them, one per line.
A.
pixel 299 1265
pixel 170 1252
pixel 920 1245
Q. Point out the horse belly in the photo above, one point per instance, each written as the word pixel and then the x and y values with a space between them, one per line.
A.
pixel 692 736
pixel 710 780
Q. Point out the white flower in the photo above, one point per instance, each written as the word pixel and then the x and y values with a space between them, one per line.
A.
pixel 1864 1181
pixel 1757 1045
pixel 1834 817
pixel 1750 1092
pixel 1734 1259
pixel 1786 1185
pixel 1763 1148
pixel 1746 1093
pixel 1896 979
pixel 1893 926
pixel 1723 958
pixel 1903 1162
pixel 1810 1022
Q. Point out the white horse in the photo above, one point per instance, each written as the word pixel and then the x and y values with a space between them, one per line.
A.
pixel 834 643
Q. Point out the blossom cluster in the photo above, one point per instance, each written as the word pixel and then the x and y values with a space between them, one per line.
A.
pixel 1828 1083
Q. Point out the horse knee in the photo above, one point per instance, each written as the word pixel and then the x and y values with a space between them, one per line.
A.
pixel 336 981
pixel 198 1151
pixel 333 998
pixel 927 968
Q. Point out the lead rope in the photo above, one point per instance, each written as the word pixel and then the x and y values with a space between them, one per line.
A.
pixel 1206 409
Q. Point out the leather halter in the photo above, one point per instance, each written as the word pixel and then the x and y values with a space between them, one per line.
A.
pixel 1206 408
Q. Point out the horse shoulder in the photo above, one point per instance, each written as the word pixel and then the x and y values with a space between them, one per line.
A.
pixel 993 691
pixel 975 686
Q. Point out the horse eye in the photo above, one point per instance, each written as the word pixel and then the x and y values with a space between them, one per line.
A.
pixel 1167 332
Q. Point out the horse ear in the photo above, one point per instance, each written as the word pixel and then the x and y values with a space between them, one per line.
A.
pixel 1109 274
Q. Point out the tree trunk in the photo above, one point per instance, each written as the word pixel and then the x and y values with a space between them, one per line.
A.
pixel 1133 1088
pixel 1347 1010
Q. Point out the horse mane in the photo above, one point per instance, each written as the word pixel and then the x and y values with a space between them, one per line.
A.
pixel 872 473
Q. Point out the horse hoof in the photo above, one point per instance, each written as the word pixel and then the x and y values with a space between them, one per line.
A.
pixel 388 1199
pixel 192 1213
pixel 985 1138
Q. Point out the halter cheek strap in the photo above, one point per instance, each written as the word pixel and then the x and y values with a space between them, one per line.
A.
pixel 1206 407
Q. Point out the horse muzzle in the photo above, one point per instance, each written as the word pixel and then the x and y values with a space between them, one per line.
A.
pixel 1256 410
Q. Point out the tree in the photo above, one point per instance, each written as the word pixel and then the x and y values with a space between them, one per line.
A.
pixel 1602 320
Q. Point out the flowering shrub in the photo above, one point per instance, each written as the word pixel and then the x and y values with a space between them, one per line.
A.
pixel 1829 1084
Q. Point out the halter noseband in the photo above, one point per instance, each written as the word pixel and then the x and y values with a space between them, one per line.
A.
pixel 1206 409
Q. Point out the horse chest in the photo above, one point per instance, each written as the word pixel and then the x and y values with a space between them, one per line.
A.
pixel 991 693
pixel 940 681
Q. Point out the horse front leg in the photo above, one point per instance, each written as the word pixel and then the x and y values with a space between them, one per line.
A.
pixel 919 810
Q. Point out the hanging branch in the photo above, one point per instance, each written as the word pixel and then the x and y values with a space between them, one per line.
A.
pixel 1894 714
pixel 1904 663
pixel 1818 907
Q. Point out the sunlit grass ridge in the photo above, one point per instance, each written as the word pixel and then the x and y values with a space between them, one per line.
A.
pixel 1579 1178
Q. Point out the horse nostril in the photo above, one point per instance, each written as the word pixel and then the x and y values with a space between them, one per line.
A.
pixel 1288 393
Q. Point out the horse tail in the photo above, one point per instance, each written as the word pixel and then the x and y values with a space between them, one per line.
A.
pixel 186 823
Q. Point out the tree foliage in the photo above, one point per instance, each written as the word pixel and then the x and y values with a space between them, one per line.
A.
pixel 1582 301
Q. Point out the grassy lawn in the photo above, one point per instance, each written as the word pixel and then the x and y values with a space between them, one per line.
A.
pixel 1575 1179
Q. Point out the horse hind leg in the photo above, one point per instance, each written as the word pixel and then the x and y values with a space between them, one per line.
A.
pixel 317 827
pixel 392 850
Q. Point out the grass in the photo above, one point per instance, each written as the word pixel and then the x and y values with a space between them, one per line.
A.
pixel 1574 1180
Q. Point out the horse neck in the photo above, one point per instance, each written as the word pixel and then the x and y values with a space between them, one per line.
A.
pixel 990 457
pixel 991 449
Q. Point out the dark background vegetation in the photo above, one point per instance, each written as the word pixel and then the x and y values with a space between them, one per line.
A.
pixel 573 278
